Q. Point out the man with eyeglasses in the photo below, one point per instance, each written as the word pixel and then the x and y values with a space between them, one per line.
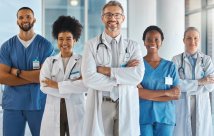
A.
pixel 112 68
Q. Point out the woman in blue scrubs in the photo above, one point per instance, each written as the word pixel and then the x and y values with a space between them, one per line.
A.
pixel 158 88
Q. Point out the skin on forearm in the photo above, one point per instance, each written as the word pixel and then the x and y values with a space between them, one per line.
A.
pixel 7 78
pixel 50 83
pixel 32 76
pixel 164 98
pixel 107 70
pixel 11 80
pixel 150 94
pixel 159 95
pixel 104 70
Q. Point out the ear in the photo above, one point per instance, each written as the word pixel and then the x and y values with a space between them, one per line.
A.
pixel 102 18
pixel 34 20
pixel 123 18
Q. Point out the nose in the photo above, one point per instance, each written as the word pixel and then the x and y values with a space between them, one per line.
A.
pixel 192 40
pixel 151 41
pixel 112 18
pixel 64 42
pixel 25 19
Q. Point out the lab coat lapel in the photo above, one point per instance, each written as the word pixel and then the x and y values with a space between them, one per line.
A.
pixel 105 42
pixel 70 66
pixel 58 61
pixel 122 45
pixel 199 67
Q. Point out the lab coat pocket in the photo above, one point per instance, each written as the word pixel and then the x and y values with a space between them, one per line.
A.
pixel 74 75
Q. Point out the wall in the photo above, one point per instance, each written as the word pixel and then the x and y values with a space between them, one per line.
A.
pixel 142 13
pixel 167 14
pixel 8 9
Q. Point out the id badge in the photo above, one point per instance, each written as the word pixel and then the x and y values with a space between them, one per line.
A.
pixel 74 75
pixel 168 80
pixel 36 64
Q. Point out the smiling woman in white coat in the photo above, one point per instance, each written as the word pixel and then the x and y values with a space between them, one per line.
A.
pixel 61 80
pixel 196 73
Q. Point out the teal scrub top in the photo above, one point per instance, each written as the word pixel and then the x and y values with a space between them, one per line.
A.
pixel 154 79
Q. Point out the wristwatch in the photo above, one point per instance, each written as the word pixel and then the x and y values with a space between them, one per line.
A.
pixel 18 72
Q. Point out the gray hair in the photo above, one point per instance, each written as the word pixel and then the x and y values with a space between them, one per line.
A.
pixel 112 3
pixel 190 29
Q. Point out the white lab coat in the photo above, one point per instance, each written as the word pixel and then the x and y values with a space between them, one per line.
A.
pixel 124 79
pixel 190 87
pixel 72 91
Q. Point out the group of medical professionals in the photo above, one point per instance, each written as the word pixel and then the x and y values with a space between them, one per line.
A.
pixel 111 90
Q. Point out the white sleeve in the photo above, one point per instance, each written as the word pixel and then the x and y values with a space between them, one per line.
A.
pixel 45 72
pixel 91 77
pixel 191 87
pixel 69 87
pixel 209 70
pixel 130 75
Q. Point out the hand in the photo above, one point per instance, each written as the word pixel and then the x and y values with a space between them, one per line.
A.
pixel 104 70
pixel 50 83
pixel 206 80
pixel 173 93
pixel 133 63
pixel 79 78
pixel 139 86
pixel 13 71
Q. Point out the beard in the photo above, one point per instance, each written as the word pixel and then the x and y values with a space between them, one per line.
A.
pixel 112 27
pixel 26 27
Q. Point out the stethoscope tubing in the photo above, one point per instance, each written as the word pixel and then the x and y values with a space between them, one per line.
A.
pixel 181 68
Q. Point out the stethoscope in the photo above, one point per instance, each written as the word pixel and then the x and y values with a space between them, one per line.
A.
pixel 105 61
pixel 54 60
pixel 181 70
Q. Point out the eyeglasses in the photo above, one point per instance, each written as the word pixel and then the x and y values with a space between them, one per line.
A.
pixel 110 15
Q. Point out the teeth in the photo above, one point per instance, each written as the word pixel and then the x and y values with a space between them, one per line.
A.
pixel 25 24
pixel 152 47
pixel 64 46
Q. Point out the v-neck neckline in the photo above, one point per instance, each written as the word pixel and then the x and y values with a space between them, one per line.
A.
pixel 156 68
pixel 28 45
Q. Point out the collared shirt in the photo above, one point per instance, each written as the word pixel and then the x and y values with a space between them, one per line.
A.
pixel 192 59
pixel 108 40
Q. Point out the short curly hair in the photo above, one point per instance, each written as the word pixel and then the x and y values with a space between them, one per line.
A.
pixel 153 28
pixel 67 24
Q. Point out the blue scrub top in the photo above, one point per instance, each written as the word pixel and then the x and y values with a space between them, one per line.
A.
pixel 14 54
pixel 154 79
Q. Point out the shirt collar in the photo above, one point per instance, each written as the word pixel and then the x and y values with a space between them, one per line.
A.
pixel 109 38
pixel 195 55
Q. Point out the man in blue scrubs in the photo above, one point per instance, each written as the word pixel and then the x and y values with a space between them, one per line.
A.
pixel 21 58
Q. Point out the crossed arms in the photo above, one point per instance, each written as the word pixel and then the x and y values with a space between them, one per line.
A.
pixel 8 76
